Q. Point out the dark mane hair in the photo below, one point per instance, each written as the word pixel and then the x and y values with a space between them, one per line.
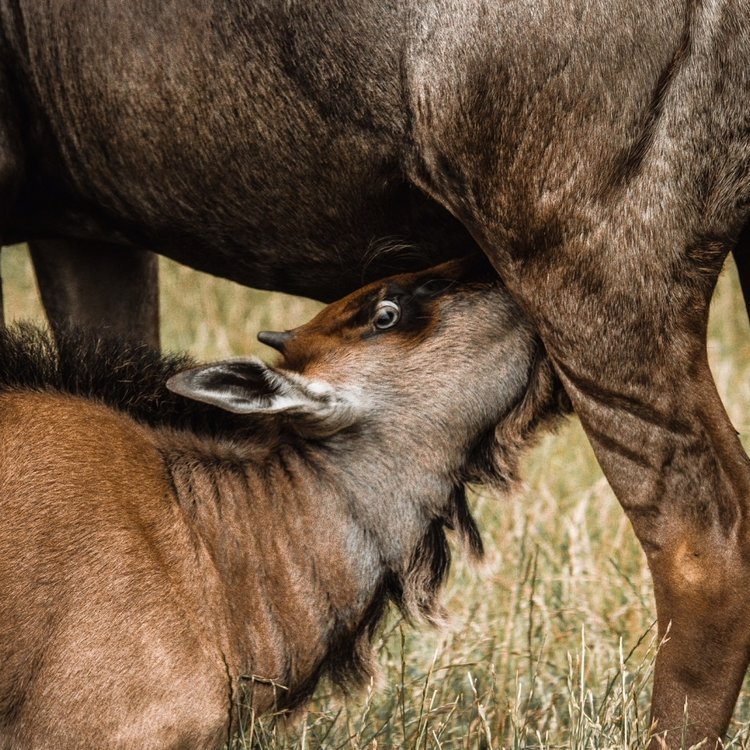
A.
pixel 414 591
pixel 127 376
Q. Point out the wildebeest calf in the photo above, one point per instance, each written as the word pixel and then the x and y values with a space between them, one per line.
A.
pixel 163 562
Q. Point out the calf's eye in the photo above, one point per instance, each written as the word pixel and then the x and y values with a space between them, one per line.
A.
pixel 387 314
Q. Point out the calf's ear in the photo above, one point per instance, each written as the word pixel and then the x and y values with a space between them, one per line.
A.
pixel 249 386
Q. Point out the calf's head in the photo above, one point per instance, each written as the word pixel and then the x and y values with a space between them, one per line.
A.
pixel 441 363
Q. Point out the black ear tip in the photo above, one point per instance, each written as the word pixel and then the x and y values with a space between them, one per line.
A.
pixel 275 339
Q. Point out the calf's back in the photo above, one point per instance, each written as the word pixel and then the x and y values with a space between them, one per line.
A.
pixel 59 627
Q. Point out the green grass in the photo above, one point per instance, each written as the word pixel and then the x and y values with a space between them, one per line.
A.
pixel 550 642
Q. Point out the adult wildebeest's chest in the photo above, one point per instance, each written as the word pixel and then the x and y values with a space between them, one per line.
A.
pixel 266 142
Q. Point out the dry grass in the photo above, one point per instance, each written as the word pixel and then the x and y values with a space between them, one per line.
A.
pixel 551 641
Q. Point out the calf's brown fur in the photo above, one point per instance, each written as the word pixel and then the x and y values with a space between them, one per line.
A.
pixel 164 563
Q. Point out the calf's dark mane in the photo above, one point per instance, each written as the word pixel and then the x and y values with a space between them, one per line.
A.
pixel 127 376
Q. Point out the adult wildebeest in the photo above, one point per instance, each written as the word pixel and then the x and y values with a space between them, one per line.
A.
pixel 598 151
pixel 161 564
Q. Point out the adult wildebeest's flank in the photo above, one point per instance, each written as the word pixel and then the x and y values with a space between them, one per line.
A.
pixel 162 562
pixel 596 150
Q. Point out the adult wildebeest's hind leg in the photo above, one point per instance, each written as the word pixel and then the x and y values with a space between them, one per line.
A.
pixel 742 260
pixel 608 216
pixel 99 285
pixel 630 350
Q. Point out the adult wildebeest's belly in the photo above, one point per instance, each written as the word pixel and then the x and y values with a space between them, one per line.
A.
pixel 265 144
pixel 281 144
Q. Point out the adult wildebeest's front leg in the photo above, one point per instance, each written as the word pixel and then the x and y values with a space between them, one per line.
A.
pixel 99 285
